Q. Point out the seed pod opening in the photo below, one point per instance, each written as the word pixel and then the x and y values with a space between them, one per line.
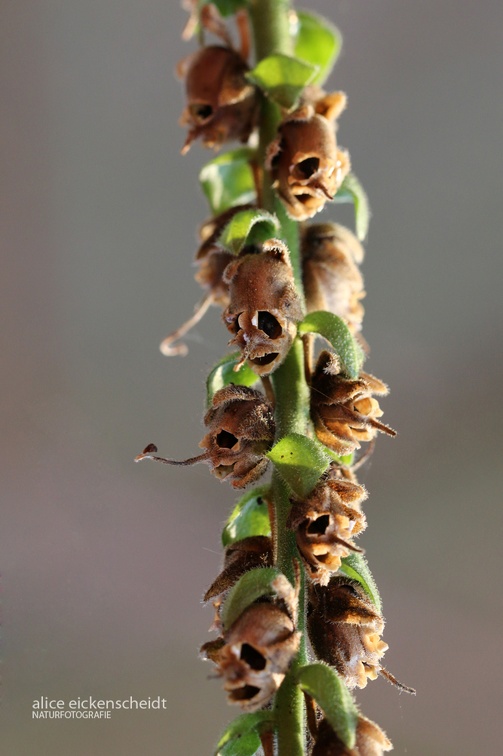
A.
pixel 221 103
pixel 344 629
pixel 255 654
pixel 241 430
pixel 264 307
pixel 331 276
pixel 325 524
pixel 306 165
pixel 343 410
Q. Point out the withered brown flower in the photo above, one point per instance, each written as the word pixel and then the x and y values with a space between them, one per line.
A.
pixel 264 307
pixel 306 165
pixel 241 556
pixel 344 629
pixel 343 410
pixel 254 654
pixel 241 430
pixel 370 740
pixel 221 103
pixel 331 276
pixel 325 524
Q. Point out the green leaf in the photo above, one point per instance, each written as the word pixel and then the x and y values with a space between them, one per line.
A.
pixel 250 517
pixel 323 684
pixel 245 224
pixel 250 586
pixel 335 330
pixel 352 191
pixel 282 78
pixel 300 461
pixel 241 737
pixel 318 42
pixel 355 567
pixel 223 374
pixel 227 180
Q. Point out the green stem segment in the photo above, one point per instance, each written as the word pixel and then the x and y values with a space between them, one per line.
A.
pixel 270 21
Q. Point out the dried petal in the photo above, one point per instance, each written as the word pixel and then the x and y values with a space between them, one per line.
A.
pixel 343 411
pixel 241 556
pixel 370 740
pixel 264 306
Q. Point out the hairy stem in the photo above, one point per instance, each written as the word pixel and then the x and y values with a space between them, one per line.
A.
pixel 270 20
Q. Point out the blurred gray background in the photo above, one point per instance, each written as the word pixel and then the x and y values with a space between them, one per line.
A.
pixel 104 562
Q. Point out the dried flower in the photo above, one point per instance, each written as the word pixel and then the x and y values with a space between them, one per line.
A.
pixel 241 430
pixel 331 276
pixel 264 306
pixel 370 740
pixel 306 165
pixel 343 410
pixel 344 629
pixel 326 522
pixel 221 103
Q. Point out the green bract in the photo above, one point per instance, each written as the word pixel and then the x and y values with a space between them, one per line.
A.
pixel 326 687
pixel 283 78
pixel 223 374
pixel 241 737
pixel 300 461
pixel 355 566
pixel 318 42
pixel 335 330
pixel 248 227
pixel 227 180
pixel 250 586
pixel 352 191
pixel 250 517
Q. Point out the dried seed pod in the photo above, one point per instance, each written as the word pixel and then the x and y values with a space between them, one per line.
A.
pixel 344 628
pixel 326 522
pixel 331 276
pixel 212 260
pixel 221 103
pixel 343 410
pixel 264 306
pixel 306 165
pixel 241 430
pixel 255 654
pixel 370 740
pixel 244 555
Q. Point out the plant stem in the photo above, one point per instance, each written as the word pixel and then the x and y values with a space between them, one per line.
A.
pixel 270 20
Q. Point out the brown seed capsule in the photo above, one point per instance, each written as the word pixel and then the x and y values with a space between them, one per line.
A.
pixel 326 522
pixel 221 103
pixel 264 306
pixel 255 654
pixel 370 740
pixel 331 276
pixel 241 430
pixel 343 410
pixel 344 629
pixel 306 165
pixel 244 555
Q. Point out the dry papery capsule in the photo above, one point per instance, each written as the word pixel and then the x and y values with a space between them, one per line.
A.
pixel 212 260
pixel 254 655
pixel 221 103
pixel 370 740
pixel 325 522
pixel 330 273
pixel 306 165
pixel 343 410
pixel 264 307
pixel 241 430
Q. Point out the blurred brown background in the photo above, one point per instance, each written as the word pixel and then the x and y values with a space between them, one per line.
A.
pixel 104 562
